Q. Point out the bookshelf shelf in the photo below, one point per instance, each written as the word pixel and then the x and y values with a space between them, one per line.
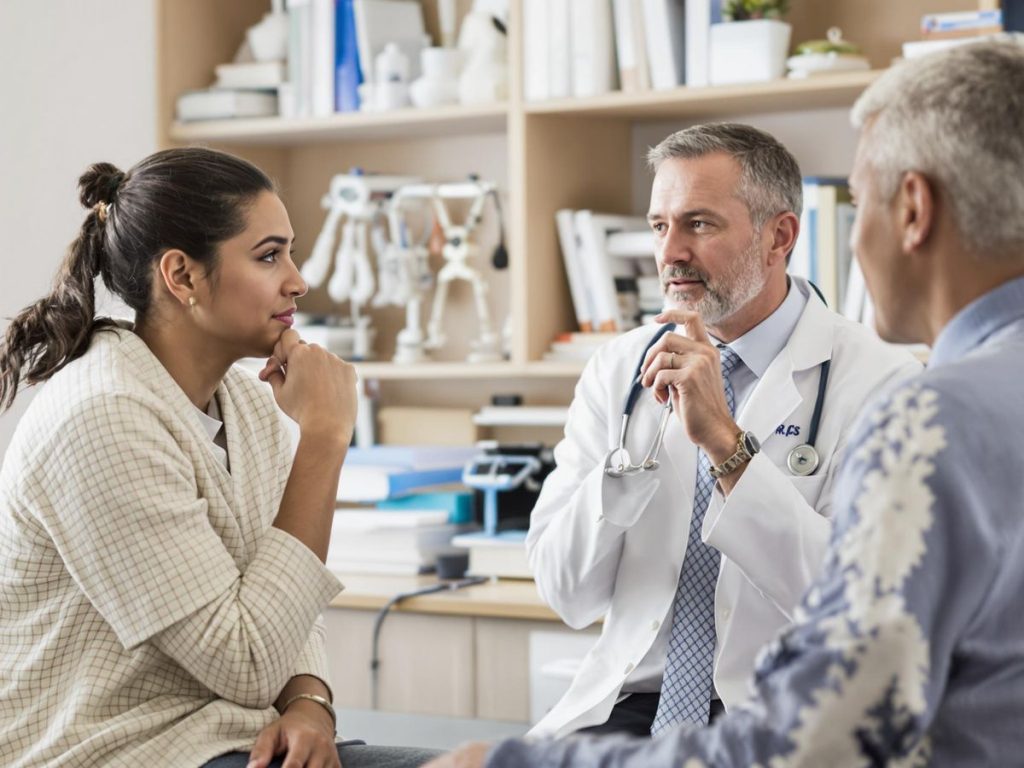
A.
pixel 835 90
pixel 400 124
pixel 477 371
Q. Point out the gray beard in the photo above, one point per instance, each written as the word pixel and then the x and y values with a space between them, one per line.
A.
pixel 724 296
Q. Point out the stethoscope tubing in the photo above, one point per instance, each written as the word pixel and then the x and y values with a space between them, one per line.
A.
pixel 636 388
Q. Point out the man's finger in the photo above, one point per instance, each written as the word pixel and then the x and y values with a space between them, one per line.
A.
pixel 691 322
pixel 670 343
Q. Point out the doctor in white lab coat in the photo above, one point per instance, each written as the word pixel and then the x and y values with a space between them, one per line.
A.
pixel 725 209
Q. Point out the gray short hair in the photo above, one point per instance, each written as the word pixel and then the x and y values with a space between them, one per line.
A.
pixel 770 181
pixel 957 117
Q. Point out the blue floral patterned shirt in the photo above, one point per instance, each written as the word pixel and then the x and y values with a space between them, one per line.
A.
pixel 908 650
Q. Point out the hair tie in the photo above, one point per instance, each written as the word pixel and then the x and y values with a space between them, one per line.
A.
pixel 101 211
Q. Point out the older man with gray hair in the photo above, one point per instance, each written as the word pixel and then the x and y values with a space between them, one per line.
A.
pixel 908 649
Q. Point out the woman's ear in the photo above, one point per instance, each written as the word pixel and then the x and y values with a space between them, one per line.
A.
pixel 179 276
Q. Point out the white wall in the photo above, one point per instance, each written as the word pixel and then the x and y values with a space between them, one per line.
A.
pixel 78 85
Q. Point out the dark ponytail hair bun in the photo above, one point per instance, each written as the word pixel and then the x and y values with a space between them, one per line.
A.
pixel 99 184
pixel 191 198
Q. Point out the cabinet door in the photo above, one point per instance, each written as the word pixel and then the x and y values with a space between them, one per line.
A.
pixel 503 666
pixel 426 662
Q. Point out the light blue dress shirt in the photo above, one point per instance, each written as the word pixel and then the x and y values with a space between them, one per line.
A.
pixel 757 348
pixel 908 648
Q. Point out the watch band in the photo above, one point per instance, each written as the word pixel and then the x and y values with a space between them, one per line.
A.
pixel 734 462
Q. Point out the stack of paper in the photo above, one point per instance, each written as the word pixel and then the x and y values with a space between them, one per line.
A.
pixel 389 541
pixel 502 556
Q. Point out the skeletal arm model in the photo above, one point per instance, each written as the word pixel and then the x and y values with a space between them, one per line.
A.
pixel 459 251
pixel 359 200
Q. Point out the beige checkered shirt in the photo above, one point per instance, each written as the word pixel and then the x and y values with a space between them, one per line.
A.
pixel 149 613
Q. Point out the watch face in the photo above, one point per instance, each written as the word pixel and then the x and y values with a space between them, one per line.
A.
pixel 751 443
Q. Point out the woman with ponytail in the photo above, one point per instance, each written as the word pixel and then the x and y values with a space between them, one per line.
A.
pixel 162 544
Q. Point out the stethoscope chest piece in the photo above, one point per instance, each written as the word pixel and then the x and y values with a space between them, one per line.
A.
pixel 803 460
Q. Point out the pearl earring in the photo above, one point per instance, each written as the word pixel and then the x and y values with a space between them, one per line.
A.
pixel 192 302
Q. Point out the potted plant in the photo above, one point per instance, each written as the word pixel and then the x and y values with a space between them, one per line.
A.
pixel 751 44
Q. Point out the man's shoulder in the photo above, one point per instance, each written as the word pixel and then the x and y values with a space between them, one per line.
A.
pixel 855 345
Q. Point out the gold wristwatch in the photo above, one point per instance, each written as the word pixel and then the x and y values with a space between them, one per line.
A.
pixel 747 446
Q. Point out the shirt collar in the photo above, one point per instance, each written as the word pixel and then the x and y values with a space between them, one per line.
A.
pixel 977 321
pixel 762 343
pixel 210 419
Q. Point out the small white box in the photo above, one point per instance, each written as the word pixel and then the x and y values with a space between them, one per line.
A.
pixel 751 51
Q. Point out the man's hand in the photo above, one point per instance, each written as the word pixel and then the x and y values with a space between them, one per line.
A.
pixel 467 756
pixel 304 734
pixel 689 370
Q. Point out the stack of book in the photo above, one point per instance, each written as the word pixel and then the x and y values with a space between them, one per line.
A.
pixel 576 347
pixel 389 541
pixel 242 89
pixel 500 557
pixel 945 30
pixel 385 471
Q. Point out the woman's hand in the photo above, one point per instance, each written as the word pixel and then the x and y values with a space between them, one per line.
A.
pixel 312 386
pixel 304 734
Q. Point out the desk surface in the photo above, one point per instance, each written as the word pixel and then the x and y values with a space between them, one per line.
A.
pixel 504 599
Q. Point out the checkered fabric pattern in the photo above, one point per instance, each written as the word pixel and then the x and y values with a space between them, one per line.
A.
pixel 150 611
pixel 686 685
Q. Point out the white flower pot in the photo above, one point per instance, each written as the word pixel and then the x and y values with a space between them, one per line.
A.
pixel 748 51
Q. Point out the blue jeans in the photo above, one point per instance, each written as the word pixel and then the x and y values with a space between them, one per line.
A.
pixel 353 754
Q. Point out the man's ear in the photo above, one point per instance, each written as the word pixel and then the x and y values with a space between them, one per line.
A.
pixel 783 229
pixel 916 202
pixel 179 275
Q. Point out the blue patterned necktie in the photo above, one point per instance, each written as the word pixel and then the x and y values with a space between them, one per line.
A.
pixel 686 685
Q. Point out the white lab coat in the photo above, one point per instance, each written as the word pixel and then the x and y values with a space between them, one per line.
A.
pixel 613 547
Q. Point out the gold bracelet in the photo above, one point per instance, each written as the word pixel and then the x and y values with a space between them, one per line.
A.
pixel 319 700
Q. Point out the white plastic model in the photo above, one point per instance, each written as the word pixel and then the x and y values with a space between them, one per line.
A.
pixel 359 200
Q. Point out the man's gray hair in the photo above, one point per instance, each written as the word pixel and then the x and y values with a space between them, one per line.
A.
pixel 957 117
pixel 770 181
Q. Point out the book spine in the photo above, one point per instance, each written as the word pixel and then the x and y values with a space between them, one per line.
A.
pixel 348 73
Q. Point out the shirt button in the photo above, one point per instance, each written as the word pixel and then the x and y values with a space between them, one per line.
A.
pixel 654 625
pixel 726 613
pixel 629 668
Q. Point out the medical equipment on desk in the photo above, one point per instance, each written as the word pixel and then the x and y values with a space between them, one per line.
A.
pixel 459 251
pixel 803 460
pixel 494 474
pixel 359 200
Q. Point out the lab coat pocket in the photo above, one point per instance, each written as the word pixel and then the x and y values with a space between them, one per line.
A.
pixel 810 487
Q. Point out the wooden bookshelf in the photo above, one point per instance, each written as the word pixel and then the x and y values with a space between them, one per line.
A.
pixel 565 153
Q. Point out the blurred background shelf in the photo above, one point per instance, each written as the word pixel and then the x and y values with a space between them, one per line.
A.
pixel 344 126
pixel 822 92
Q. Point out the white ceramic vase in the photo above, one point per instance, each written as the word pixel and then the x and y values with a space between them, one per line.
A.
pixel 440 82
pixel 748 51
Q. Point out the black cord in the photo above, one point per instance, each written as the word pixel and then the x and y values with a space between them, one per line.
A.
pixel 378 622
pixel 500 257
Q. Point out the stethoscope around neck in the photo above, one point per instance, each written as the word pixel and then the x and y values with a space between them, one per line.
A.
pixel 801 461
